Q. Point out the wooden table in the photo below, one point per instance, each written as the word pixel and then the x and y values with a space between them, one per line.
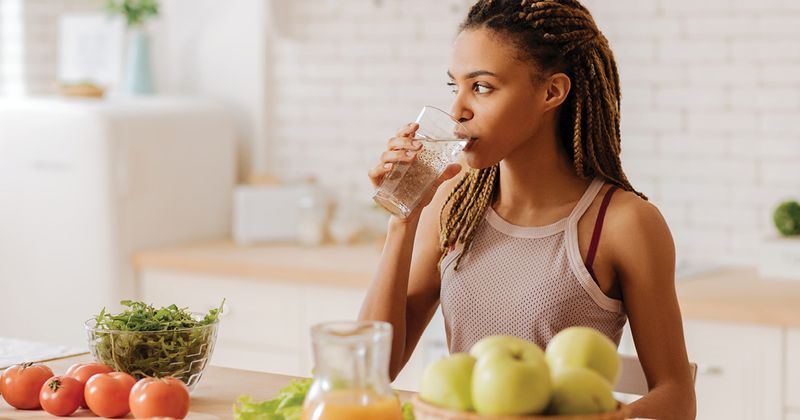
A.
pixel 212 399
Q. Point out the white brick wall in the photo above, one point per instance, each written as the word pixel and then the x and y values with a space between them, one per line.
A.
pixel 347 74
pixel 711 101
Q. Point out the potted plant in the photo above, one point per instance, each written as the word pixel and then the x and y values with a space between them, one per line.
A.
pixel 780 254
pixel 138 74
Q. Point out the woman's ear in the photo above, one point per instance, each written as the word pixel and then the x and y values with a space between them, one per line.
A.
pixel 557 85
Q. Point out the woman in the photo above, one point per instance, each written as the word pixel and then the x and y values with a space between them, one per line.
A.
pixel 512 244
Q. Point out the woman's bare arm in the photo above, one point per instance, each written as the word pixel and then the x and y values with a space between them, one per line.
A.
pixel 405 289
pixel 644 260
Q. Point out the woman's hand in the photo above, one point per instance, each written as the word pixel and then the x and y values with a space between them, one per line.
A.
pixel 403 148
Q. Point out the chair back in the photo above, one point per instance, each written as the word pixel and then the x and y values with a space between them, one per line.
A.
pixel 632 379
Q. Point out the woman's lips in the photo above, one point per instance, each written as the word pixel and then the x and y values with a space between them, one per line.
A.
pixel 470 144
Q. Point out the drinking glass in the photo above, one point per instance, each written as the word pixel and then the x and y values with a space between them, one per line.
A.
pixel 443 139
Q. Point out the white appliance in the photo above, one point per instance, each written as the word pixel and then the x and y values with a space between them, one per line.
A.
pixel 268 213
pixel 84 184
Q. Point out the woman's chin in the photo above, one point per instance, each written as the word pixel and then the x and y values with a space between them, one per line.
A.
pixel 476 161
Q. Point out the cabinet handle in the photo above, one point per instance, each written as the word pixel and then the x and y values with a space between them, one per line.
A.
pixel 704 369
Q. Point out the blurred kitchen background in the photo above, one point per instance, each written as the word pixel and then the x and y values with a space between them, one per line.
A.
pixel 227 157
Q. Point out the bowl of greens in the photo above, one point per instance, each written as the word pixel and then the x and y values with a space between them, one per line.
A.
pixel 145 341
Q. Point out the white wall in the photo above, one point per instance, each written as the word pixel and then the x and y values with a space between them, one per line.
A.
pixel 711 101
pixel 711 93
pixel 347 74
pixel 203 47
pixel 710 110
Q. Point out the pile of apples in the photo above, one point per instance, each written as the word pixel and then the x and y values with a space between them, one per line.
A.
pixel 504 375
pixel 94 386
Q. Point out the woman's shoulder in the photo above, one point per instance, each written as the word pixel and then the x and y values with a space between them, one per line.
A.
pixel 629 209
pixel 635 228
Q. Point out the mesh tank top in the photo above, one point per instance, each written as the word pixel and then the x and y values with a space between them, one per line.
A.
pixel 529 282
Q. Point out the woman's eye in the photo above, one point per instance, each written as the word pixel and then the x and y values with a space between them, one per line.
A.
pixel 479 88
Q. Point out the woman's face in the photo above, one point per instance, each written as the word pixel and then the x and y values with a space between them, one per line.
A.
pixel 495 96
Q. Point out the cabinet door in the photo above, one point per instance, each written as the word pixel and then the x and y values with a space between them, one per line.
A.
pixel 260 316
pixel 335 304
pixel 278 361
pixel 739 372
pixel 325 304
pixel 793 369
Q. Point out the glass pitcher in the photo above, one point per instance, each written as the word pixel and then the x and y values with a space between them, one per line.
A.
pixel 351 373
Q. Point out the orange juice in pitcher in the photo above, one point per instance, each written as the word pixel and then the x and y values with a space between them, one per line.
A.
pixel 353 404
pixel 351 373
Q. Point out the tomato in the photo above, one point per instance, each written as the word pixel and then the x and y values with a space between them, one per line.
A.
pixel 61 395
pixel 21 385
pixel 83 371
pixel 107 393
pixel 164 397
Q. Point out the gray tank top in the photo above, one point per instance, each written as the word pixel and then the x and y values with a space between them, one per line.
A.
pixel 529 282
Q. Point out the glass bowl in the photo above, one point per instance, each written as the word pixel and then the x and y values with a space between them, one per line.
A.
pixel 181 353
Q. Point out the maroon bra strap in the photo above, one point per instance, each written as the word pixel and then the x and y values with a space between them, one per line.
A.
pixel 598 227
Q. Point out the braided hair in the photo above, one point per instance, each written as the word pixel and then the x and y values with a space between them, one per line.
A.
pixel 554 35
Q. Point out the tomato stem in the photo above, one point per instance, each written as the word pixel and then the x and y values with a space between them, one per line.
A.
pixel 55 385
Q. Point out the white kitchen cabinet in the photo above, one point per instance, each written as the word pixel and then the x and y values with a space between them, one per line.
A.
pixel 324 303
pixel 740 370
pixel 86 183
pixel 793 370
pixel 257 314
pixel 266 323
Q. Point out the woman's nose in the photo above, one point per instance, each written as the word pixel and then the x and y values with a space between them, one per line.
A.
pixel 461 112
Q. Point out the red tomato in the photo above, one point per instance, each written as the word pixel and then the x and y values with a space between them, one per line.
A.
pixel 21 385
pixel 61 395
pixel 164 397
pixel 107 394
pixel 83 371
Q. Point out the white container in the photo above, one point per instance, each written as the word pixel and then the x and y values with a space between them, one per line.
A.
pixel 278 213
pixel 780 258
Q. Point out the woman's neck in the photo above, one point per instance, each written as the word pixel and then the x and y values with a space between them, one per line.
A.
pixel 538 184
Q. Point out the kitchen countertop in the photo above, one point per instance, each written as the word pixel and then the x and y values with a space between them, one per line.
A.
pixel 334 265
pixel 740 295
pixel 728 294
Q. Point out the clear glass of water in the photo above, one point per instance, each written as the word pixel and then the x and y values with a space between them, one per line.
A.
pixel 442 138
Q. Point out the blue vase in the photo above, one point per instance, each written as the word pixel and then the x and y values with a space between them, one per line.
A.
pixel 138 74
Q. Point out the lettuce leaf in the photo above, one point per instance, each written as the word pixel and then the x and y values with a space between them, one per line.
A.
pixel 287 404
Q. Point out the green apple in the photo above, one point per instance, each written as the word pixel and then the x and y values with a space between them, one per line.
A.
pixel 579 390
pixel 510 379
pixel 584 347
pixel 448 382
pixel 511 343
